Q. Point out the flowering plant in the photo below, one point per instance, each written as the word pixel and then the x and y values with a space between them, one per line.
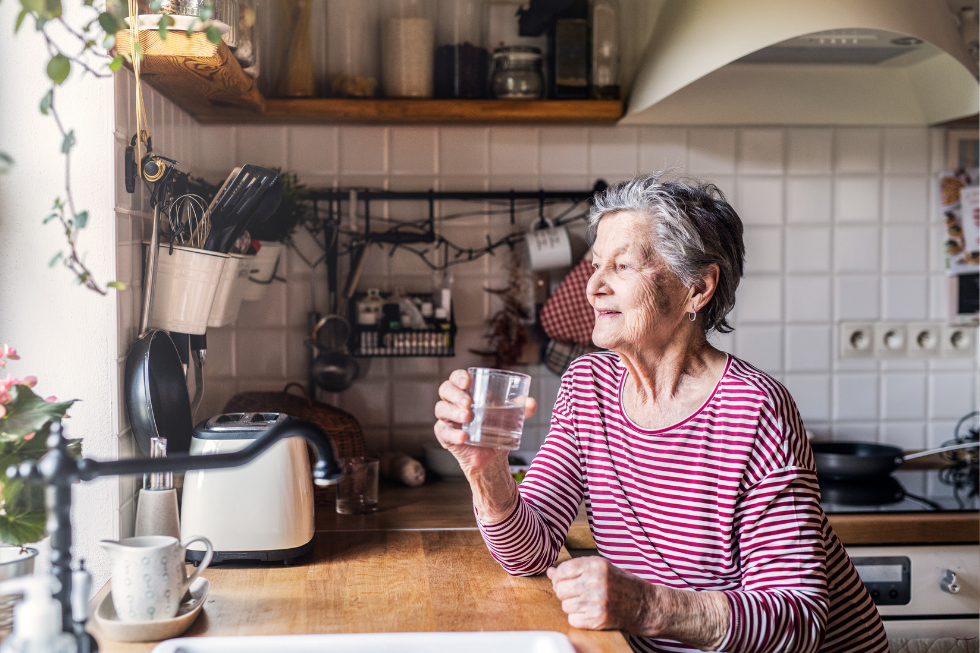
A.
pixel 25 419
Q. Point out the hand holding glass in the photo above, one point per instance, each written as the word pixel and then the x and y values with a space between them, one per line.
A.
pixel 499 399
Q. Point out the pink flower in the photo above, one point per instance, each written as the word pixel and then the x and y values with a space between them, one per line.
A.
pixel 51 400
pixel 5 397
pixel 30 435
pixel 3 411
pixel 10 352
pixel 29 381
pixel 9 382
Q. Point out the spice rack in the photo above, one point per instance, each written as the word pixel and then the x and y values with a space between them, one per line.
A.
pixel 376 341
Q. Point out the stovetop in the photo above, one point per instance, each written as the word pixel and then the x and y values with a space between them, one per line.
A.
pixel 917 491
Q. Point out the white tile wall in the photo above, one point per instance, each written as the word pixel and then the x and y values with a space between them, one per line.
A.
pixel 837 227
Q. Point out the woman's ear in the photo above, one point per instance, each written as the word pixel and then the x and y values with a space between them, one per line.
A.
pixel 704 289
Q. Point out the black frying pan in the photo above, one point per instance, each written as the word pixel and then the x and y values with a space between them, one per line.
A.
pixel 156 394
pixel 864 460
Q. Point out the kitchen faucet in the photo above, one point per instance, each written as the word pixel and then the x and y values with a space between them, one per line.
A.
pixel 58 469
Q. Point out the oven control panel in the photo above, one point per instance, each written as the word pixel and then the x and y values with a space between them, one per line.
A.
pixel 888 578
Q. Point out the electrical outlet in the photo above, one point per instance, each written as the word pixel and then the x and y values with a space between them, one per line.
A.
pixel 891 340
pixel 857 340
pixel 959 341
pixel 925 339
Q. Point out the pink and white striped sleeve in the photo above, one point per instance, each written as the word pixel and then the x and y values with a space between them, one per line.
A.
pixel 783 603
pixel 528 541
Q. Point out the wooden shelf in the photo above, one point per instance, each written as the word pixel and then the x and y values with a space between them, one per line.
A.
pixel 207 82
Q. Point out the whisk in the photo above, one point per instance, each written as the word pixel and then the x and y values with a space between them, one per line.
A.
pixel 189 221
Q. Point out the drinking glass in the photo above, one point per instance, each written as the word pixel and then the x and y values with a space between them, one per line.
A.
pixel 499 398
pixel 357 491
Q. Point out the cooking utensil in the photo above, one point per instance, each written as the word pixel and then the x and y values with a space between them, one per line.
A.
pixel 864 460
pixel 234 206
pixel 334 369
pixel 156 393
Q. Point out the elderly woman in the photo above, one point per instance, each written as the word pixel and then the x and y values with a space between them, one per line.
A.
pixel 698 480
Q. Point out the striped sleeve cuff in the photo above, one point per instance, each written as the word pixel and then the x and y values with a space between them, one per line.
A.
pixel 520 542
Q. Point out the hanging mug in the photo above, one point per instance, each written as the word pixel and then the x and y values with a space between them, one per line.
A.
pixel 549 247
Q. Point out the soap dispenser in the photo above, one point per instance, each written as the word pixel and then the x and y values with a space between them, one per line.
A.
pixel 37 618
pixel 156 506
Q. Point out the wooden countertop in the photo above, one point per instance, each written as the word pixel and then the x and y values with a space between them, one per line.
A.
pixel 450 505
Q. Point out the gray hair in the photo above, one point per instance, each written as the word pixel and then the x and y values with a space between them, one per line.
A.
pixel 693 226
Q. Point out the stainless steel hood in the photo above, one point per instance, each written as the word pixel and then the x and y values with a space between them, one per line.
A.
pixel 804 62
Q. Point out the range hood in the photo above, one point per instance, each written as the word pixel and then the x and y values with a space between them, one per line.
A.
pixel 804 62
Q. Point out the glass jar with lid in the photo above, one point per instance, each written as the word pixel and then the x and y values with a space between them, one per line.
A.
pixel 517 73
pixel 352 48
pixel 407 42
pixel 461 61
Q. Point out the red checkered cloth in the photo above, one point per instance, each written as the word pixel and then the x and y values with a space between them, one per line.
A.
pixel 567 316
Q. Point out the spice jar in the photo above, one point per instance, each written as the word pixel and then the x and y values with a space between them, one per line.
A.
pixel 406 52
pixel 461 61
pixel 605 50
pixel 517 73
pixel 352 48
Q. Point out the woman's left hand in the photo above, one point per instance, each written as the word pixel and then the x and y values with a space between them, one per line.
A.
pixel 597 595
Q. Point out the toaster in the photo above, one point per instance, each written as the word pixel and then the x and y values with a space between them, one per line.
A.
pixel 261 511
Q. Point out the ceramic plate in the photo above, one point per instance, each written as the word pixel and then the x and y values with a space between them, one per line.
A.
pixel 183 23
pixel 153 631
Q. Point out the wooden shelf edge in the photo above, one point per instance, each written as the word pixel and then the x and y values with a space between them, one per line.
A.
pixel 341 111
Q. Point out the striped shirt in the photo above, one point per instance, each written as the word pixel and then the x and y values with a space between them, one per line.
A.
pixel 725 500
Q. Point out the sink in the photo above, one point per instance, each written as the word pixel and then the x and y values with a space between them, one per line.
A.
pixel 533 641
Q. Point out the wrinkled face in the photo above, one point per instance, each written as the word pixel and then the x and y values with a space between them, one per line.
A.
pixel 637 300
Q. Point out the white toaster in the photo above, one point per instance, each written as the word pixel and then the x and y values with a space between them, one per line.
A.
pixel 262 511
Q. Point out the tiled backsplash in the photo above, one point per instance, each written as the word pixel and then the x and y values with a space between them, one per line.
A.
pixel 839 225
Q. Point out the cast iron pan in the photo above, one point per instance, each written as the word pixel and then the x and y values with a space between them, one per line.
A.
pixel 156 394
pixel 863 460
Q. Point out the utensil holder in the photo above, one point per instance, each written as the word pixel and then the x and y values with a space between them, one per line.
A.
pixel 231 291
pixel 186 282
pixel 262 271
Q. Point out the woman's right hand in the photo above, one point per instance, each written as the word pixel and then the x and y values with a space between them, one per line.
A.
pixel 452 412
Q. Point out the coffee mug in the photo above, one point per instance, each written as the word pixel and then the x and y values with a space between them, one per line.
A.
pixel 549 247
pixel 149 578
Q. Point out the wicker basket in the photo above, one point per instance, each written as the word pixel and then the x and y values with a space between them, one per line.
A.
pixel 340 426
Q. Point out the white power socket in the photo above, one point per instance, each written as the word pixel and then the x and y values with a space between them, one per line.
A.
pixel 959 341
pixel 891 340
pixel 906 340
pixel 857 340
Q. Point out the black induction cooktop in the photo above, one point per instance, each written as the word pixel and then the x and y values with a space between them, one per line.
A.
pixel 952 489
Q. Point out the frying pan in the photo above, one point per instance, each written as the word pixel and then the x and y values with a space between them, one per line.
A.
pixel 864 460
pixel 156 393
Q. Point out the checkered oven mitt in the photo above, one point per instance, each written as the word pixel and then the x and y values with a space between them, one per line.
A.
pixel 567 315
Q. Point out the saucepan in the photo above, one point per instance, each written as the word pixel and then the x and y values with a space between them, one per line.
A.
pixel 864 460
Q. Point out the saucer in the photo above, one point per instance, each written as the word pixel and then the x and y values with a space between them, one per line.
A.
pixel 153 631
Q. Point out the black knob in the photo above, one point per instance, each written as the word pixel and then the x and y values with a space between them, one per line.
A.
pixel 893 594
pixel 875 594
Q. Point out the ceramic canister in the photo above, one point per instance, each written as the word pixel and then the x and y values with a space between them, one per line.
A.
pixel 549 247
pixel 149 577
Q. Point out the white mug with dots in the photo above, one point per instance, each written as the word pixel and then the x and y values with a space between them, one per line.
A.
pixel 149 577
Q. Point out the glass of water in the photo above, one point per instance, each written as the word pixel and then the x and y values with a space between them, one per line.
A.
pixel 499 398
pixel 357 491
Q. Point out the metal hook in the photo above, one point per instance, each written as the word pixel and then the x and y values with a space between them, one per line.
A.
pixel 542 221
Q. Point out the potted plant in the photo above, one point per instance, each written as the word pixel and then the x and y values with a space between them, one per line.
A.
pixel 25 420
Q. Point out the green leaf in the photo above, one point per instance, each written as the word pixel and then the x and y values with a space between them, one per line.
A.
pixel 192 28
pixel 118 285
pixel 6 163
pixel 52 8
pixel 20 19
pixel 49 218
pixel 165 22
pixel 27 412
pixel 81 219
pixel 58 68
pixel 46 101
pixel 54 259
pixel 109 42
pixel 155 5
pixel 22 528
pixel 206 12
pixel 68 142
pixel 214 35
pixel 116 63
pixel 109 22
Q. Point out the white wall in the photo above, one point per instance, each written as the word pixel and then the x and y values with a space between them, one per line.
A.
pixel 66 335
pixel 840 225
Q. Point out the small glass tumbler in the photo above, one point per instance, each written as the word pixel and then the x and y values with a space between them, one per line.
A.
pixel 499 398
pixel 357 492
